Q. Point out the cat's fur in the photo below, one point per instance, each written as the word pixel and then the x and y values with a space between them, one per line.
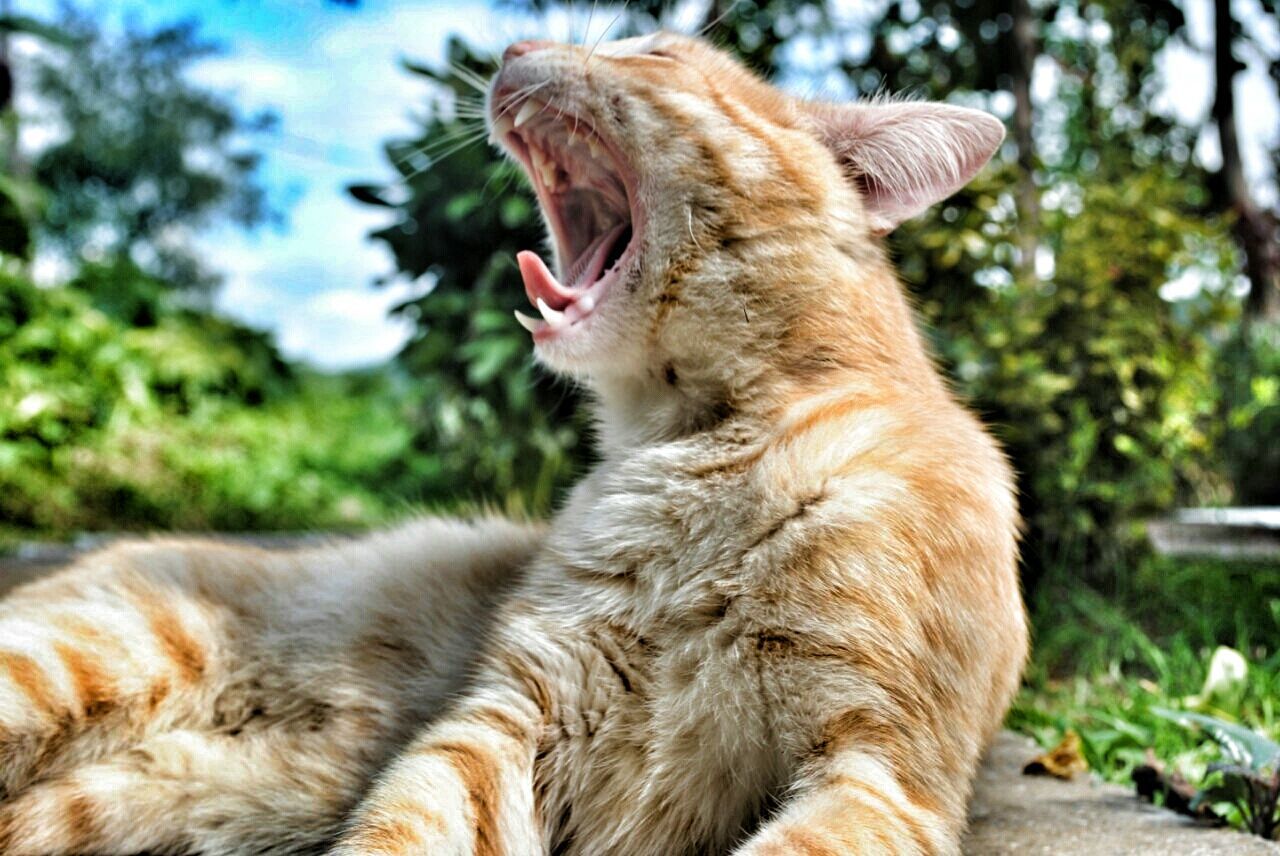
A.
pixel 781 616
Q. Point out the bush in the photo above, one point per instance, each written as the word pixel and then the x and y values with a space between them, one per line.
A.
pixel 1250 378
pixel 192 422
pixel 1102 391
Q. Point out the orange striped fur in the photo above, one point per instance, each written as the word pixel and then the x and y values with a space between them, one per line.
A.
pixel 780 616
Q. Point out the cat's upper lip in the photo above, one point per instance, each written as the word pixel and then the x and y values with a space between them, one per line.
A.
pixel 587 193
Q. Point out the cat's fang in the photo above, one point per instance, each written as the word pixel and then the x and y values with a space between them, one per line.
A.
pixel 555 318
pixel 527 111
pixel 533 325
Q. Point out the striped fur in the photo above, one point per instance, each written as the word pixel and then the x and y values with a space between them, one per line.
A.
pixel 781 616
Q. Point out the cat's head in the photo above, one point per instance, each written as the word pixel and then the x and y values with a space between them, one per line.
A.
pixel 701 218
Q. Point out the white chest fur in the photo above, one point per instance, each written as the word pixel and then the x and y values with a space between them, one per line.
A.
pixel 656 585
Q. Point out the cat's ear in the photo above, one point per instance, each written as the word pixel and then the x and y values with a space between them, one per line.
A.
pixel 906 155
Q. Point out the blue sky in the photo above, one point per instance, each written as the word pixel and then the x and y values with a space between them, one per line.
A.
pixel 332 74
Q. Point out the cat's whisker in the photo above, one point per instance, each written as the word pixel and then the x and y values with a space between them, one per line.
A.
pixel 469 77
pixel 509 173
pixel 726 13
pixel 688 210
pixel 453 135
pixel 475 110
pixel 599 39
pixel 515 99
pixel 586 33
pixel 434 154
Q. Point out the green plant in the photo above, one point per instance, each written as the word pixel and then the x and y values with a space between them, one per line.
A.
pixel 1249 780
pixel 1249 374
pixel 1106 655
pixel 122 409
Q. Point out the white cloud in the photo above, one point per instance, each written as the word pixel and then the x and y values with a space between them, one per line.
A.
pixel 312 285
pixel 339 100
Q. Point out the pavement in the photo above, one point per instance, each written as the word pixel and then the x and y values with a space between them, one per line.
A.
pixel 1010 813
pixel 1027 815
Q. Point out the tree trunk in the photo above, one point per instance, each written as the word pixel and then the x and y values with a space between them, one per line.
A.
pixel 1255 228
pixel 1024 60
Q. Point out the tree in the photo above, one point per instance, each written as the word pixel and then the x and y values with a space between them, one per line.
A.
pixel 16 192
pixel 1256 229
pixel 144 156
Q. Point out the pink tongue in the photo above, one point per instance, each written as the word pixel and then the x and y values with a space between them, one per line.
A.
pixel 539 282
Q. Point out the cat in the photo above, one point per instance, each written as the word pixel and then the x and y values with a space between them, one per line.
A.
pixel 781 615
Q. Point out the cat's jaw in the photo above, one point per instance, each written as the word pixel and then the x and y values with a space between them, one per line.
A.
pixel 587 192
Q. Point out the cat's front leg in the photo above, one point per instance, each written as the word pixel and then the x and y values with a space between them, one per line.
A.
pixel 464 787
pixel 850 803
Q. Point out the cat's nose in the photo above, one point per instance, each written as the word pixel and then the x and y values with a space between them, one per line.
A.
pixel 522 48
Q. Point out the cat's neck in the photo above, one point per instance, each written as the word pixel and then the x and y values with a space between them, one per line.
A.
pixel 865 341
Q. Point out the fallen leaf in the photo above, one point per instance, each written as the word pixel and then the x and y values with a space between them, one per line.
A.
pixel 1062 761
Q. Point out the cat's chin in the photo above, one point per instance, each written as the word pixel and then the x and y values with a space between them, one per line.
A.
pixel 586 191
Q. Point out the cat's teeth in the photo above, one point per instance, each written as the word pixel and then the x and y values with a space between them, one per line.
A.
pixel 533 325
pixel 594 148
pixel 527 111
pixel 546 167
pixel 554 317
pixel 586 303
pixel 502 126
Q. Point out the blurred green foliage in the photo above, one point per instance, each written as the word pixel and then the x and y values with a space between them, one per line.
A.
pixel 1103 393
pixel 185 421
pixel 1249 375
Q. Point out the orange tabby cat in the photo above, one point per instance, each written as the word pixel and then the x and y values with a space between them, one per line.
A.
pixel 781 616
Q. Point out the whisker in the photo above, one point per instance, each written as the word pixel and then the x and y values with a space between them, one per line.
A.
pixel 469 77
pixel 509 172
pixel 606 32
pixel 433 149
pixel 586 34
pixel 433 160
pixel 718 18
pixel 515 98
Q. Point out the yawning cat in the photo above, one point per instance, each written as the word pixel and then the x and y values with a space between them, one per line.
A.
pixel 780 616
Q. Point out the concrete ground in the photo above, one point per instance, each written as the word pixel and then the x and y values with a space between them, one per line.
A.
pixel 1028 815
pixel 1010 814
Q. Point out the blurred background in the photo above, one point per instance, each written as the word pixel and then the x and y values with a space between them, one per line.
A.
pixel 256 274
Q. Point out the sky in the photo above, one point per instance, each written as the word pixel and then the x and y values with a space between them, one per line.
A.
pixel 332 74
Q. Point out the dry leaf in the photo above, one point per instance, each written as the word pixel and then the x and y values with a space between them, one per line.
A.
pixel 1062 761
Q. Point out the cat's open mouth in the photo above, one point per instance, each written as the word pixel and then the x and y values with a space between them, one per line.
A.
pixel 586 192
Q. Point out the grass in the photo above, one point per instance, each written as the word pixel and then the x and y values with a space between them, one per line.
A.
pixel 1104 659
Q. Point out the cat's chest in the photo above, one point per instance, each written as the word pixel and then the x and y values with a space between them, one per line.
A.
pixel 666 716
pixel 665 586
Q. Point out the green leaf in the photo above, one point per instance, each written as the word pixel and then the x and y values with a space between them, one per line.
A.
pixel 1232 789
pixel 1241 744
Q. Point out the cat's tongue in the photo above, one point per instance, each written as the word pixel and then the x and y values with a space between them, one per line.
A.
pixel 540 282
